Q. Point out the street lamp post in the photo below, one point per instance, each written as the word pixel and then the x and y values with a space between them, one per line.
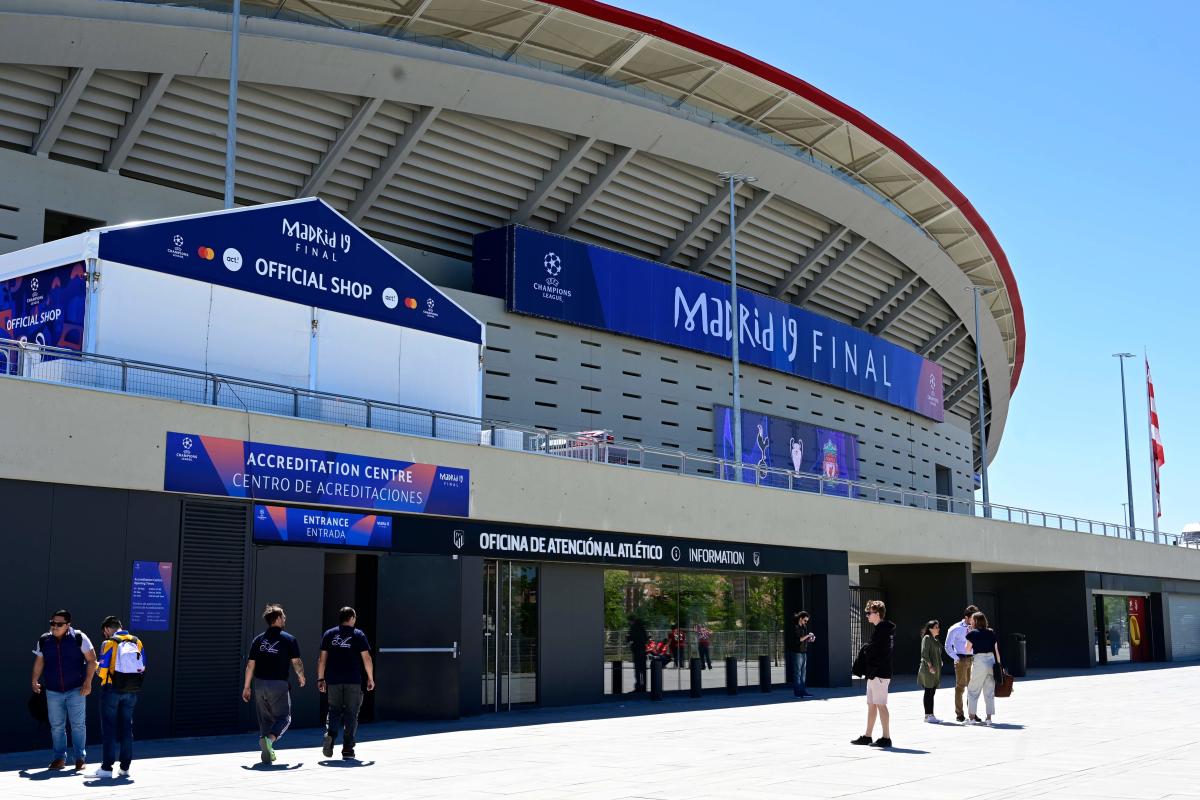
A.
pixel 733 179
pixel 1125 415
pixel 231 121
pixel 977 291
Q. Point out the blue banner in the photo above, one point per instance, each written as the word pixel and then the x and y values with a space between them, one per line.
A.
pixel 150 596
pixel 582 284
pixel 803 452
pixel 322 527
pixel 304 252
pixel 44 308
pixel 254 470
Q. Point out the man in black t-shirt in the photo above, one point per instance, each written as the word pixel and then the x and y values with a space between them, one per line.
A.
pixel 272 653
pixel 345 655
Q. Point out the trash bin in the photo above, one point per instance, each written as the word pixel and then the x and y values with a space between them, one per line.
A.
pixel 1016 663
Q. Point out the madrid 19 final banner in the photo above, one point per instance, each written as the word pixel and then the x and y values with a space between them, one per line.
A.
pixel 234 468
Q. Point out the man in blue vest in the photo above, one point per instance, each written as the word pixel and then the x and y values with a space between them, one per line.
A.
pixel 63 668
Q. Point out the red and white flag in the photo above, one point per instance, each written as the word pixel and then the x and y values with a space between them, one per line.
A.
pixel 1158 456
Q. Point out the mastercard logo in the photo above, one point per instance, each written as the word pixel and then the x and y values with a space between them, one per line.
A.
pixel 410 302
pixel 207 253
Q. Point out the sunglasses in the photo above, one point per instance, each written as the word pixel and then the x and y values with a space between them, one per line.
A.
pixel 54 624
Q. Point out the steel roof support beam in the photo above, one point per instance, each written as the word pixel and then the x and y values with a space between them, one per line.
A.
pixel 136 121
pixel 757 200
pixel 700 84
pixel 811 257
pixel 421 7
pixel 549 182
pixel 960 388
pixel 904 305
pixel 855 244
pixel 620 61
pixel 935 214
pixel 950 344
pixel 702 218
pixel 60 112
pixel 338 149
pixel 767 107
pixel 534 28
pixel 946 330
pixel 900 287
pixel 391 163
pixel 620 157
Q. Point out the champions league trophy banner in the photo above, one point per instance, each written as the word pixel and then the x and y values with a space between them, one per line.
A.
pixel 234 468
pixel 789 448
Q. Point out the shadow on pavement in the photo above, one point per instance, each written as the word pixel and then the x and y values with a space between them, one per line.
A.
pixel 47 774
pixel 273 767
pixel 903 750
pixel 346 763
pixel 99 782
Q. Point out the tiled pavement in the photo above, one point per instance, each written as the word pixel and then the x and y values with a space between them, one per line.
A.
pixel 1097 735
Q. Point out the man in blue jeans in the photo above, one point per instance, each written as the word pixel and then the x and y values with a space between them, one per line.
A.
pixel 801 637
pixel 122 667
pixel 63 667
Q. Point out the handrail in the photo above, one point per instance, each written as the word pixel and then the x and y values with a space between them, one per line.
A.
pixel 27 361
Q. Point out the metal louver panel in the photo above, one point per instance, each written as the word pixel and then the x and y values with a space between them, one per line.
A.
pixel 210 633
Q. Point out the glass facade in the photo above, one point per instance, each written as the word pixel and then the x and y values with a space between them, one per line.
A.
pixel 510 634
pixel 709 616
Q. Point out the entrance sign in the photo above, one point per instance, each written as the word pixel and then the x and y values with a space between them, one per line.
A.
pixel 302 251
pixel 233 468
pixel 150 596
pixel 582 284
pixel 321 527
pixel 445 537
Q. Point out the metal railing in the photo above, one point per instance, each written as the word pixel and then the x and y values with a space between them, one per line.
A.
pixel 27 361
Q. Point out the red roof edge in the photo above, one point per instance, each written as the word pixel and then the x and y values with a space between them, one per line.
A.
pixel 720 52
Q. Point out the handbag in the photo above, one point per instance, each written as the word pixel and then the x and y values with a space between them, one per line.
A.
pixel 1004 687
pixel 37 706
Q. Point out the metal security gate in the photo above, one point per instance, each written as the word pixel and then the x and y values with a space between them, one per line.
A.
pixel 860 629
pixel 209 621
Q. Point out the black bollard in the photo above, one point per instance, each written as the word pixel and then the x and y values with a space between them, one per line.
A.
pixel 656 679
pixel 696 679
pixel 731 671
pixel 618 677
pixel 764 673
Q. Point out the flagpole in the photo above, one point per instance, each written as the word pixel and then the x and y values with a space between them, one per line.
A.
pixel 1154 488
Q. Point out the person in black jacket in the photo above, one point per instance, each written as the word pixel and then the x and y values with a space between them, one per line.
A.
pixel 638 638
pixel 877 667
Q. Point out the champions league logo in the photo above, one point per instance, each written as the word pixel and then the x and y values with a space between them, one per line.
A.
pixel 186 455
pixel 262 513
pixel 176 250
pixel 33 285
pixel 429 312
pixel 550 289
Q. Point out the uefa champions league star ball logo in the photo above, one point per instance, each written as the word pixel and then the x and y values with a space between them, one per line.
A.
pixel 177 250
pixel 178 240
pixel 553 266
pixel 33 284
pixel 186 455
pixel 187 443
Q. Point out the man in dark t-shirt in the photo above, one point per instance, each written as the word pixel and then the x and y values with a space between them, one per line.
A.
pixel 345 655
pixel 272 653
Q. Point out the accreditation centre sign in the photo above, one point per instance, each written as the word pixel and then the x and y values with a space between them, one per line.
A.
pixel 528 543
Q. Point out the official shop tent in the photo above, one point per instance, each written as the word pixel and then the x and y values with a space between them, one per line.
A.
pixel 288 293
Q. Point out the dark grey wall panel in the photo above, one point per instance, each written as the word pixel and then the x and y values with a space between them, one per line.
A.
pixel 294 577
pixel 153 535
pixel 418 607
pixel 916 594
pixel 470 646
pixel 829 656
pixel 1052 609
pixel 28 510
pixel 570 634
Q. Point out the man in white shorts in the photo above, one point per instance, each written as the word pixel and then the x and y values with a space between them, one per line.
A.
pixel 878 671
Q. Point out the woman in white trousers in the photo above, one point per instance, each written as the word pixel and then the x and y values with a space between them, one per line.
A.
pixel 983 642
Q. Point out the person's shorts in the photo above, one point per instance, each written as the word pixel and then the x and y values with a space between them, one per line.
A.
pixel 877 690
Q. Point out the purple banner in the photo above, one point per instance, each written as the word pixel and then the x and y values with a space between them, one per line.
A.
pixel 321 527
pixel 803 452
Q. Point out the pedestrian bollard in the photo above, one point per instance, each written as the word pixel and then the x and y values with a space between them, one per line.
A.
pixel 731 670
pixel 618 674
pixel 656 679
pixel 694 664
pixel 764 673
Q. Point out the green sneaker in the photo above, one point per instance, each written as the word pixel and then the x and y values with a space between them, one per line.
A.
pixel 268 750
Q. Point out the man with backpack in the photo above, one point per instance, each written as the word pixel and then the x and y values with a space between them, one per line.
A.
pixel 63 668
pixel 122 667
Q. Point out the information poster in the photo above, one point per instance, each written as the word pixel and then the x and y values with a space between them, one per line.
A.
pixel 150 596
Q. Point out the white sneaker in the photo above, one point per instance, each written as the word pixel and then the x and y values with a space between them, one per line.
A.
pixel 987 723
pixel 124 773
pixel 101 773
pixel 932 720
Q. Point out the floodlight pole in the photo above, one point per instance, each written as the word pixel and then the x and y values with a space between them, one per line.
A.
pixel 976 291
pixel 1125 416
pixel 735 317
pixel 231 124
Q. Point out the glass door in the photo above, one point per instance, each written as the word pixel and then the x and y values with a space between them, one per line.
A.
pixel 510 634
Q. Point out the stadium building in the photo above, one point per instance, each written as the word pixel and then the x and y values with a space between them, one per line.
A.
pixel 460 357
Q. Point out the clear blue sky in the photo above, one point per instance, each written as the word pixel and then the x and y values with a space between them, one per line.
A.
pixel 1072 128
